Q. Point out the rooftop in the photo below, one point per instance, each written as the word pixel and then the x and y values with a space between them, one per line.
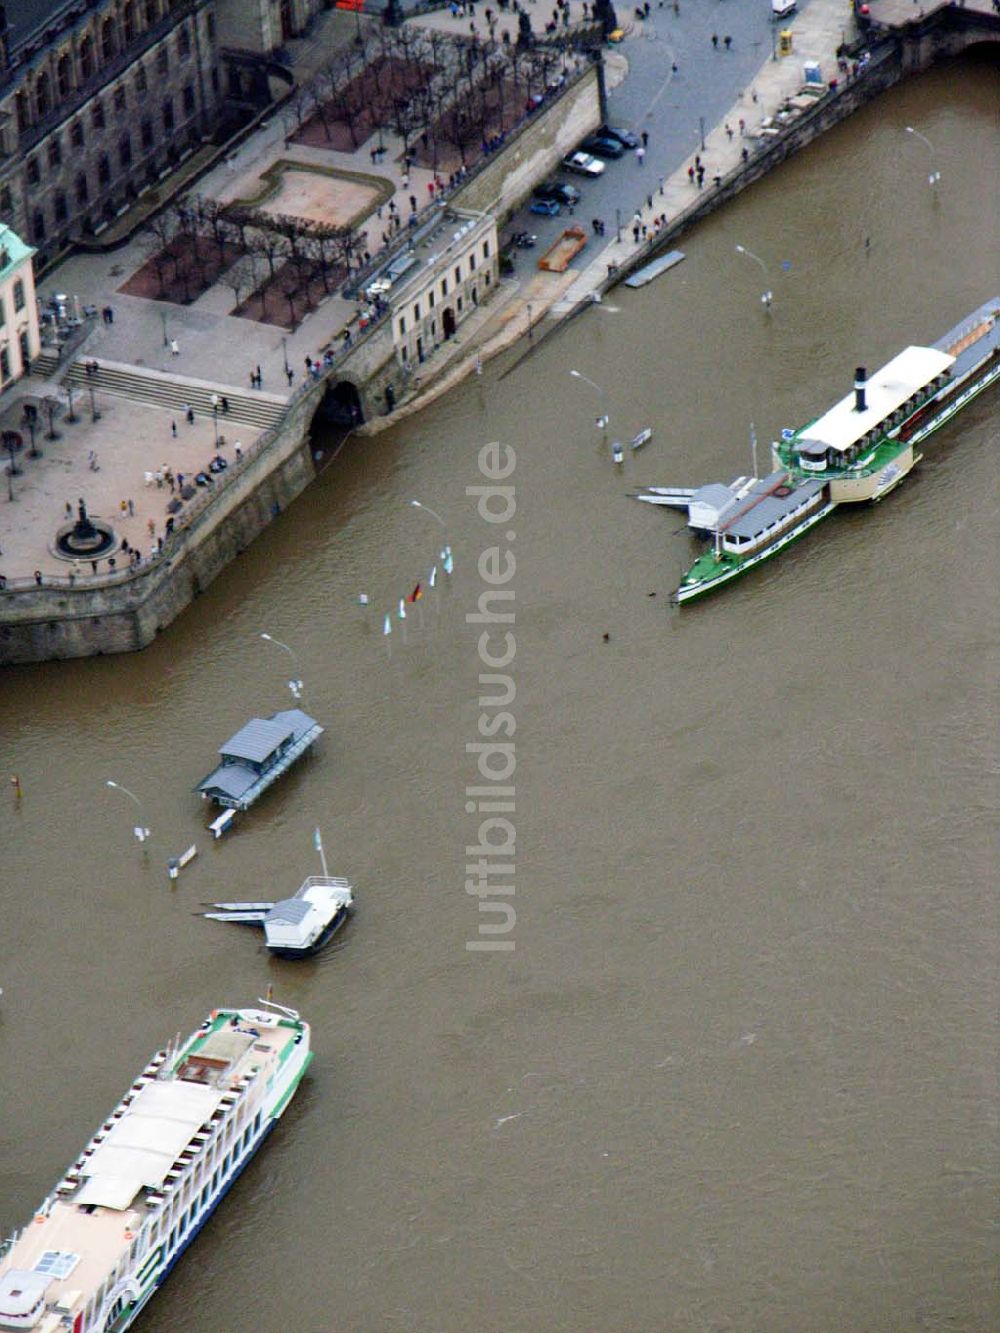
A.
pixel 889 388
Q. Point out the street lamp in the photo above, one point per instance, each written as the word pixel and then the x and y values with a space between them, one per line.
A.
pixel 70 415
pixel 284 350
pixel 215 417
pixel 701 131
pixel 603 419
pixel 94 414
pixel 768 296
pixel 140 830
pixel 934 176
pixel 530 332
pixel 294 685
pixel 163 320
pixel 428 510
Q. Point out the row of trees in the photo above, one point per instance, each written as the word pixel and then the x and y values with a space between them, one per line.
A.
pixel 279 259
pixel 446 92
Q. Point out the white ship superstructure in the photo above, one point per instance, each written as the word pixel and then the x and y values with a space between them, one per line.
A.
pixel 114 1226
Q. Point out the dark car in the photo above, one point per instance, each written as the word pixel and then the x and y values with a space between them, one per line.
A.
pixel 557 192
pixel 600 145
pixel 625 137
pixel 550 207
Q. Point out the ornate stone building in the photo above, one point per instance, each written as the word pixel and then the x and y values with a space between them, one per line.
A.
pixel 19 342
pixel 99 99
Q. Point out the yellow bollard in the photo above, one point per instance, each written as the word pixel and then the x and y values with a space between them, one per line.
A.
pixel 785 42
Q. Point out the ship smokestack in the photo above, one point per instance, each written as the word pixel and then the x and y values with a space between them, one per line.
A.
pixel 859 390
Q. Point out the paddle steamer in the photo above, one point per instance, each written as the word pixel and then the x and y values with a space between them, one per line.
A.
pixel 859 451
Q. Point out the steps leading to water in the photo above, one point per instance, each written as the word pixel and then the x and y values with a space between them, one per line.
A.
pixel 172 394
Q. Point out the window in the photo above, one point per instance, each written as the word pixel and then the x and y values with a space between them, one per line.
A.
pixel 31 171
pixel 147 132
pixel 402 325
pixel 189 99
pixel 57 1263
pixel 128 20
pixel 472 263
pixel 168 114
pixel 183 43
pixel 80 188
pixel 444 286
pixel 64 76
pixel 97 115
pixel 120 98
pixel 140 79
pixel 3 313
pixel 6 205
pixel 486 249
pixel 55 153
pixel 150 12
pixel 458 274
pixel 43 95
pixel 76 134
pixel 430 300
pixel 210 27
pixel 108 39
pixel 125 152
pixel 162 60
pixel 60 206
pixel 86 57
pixel 104 169
pixel 38 225
pixel 4 365
pixel 416 311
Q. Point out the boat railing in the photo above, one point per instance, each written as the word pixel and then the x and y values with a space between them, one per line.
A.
pixel 326 882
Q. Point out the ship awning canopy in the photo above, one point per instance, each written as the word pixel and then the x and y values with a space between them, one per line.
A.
pixel 142 1146
pixel 888 389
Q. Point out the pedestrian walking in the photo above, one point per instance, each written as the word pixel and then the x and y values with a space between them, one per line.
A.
pixel 635 232
pixel 717 180
pixel 173 429
pixel 190 416
pixel 69 510
pixel 150 527
pixel 123 507
pixel 93 565
pixel 674 67
pixel 225 406
pixel 291 375
pixel 645 138
pixel 691 174
pixel 745 154
pixel 131 509
pixel 727 42
pixel 640 155
pixel 729 131
pixel 174 348
pixel 715 41
pixel 743 127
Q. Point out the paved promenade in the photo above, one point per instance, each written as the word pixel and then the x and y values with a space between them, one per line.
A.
pixel 667 78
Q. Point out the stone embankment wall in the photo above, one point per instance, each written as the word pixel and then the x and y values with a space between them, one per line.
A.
pixel 120 613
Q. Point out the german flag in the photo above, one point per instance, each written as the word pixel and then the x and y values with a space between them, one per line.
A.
pixel 416 594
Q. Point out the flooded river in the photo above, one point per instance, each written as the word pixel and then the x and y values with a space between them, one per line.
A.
pixel 738 1071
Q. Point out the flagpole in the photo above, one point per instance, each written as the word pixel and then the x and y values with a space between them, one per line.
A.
pixel 322 855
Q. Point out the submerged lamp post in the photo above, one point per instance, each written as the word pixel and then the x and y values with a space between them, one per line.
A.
pixel 767 296
pixel 428 510
pixel 294 685
pixel 603 419
pixel 934 176
pixel 140 830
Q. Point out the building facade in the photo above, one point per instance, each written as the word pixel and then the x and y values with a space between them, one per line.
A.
pixel 451 273
pixel 263 26
pixel 99 99
pixel 19 338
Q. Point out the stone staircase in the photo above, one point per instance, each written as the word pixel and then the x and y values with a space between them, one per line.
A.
pixel 172 393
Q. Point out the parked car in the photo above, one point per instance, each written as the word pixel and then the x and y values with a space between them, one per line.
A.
pixel 559 191
pixel 625 137
pixel 547 206
pixel 600 145
pixel 583 164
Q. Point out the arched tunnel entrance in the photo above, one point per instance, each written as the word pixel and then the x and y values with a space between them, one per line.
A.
pixel 341 405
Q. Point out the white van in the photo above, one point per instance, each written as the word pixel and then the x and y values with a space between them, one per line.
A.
pixel 780 9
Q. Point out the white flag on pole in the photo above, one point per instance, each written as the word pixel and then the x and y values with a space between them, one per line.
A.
pixel 387 624
pixel 402 609
pixel 432 579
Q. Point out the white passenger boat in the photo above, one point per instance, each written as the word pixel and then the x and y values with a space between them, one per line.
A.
pixel 299 926
pixel 109 1233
